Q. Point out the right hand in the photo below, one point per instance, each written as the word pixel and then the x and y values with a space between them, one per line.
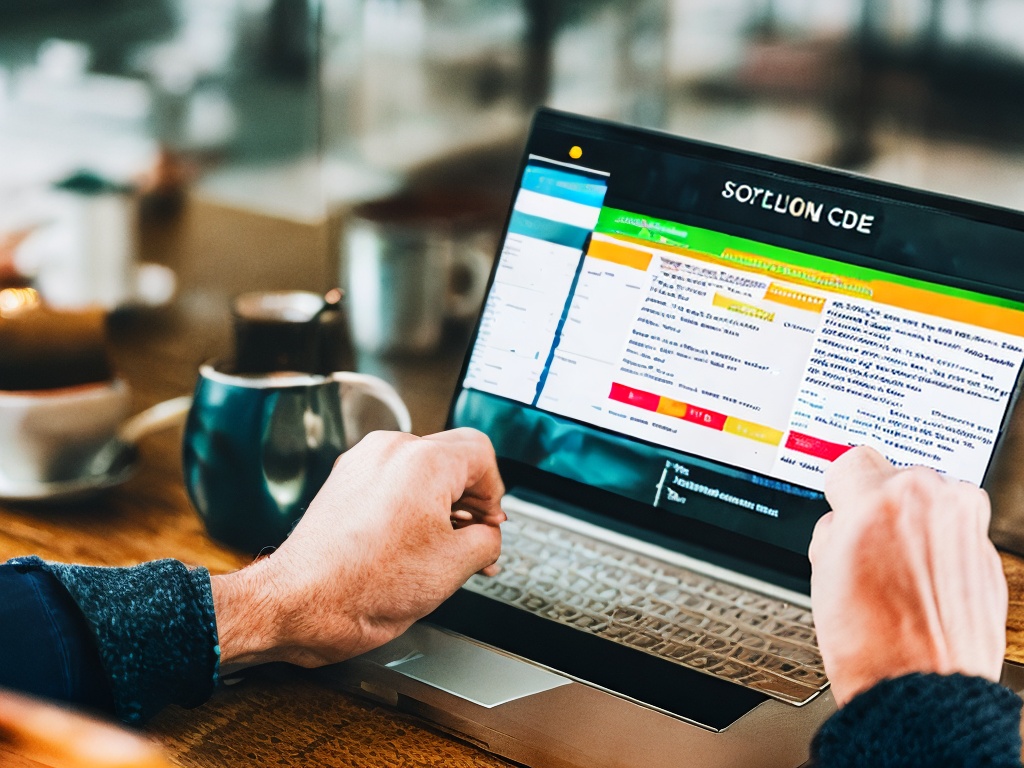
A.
pixel 904 576
pixel 398 527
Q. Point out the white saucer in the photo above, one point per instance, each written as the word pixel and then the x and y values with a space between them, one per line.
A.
pixel 77 489
pixel 119 459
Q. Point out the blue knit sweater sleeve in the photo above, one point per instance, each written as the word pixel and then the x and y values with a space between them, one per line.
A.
pixel 154 630
pixel 924 721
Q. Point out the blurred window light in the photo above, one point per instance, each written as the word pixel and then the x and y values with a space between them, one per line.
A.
pixel 815 17
pixel 1002 23
pixel 63 60
pixel 103 96
pixel 706 37
pixel 581 81
pixel 908 18
pixel 957 21
pixel 395 26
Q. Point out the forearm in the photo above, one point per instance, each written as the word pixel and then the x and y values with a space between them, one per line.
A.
pixel 924 720
pixel 153 627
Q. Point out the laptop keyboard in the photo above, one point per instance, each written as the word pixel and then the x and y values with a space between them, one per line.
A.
pixel 658 608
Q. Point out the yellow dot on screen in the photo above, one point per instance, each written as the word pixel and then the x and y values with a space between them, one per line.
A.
pixel 575 153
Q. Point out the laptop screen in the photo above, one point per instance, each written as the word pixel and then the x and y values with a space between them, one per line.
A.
pixel 701 331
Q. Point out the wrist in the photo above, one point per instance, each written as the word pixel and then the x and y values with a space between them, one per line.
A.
pixel 248 618
pixel 861 672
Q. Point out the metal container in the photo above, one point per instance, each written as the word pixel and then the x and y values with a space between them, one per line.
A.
pixel 411 262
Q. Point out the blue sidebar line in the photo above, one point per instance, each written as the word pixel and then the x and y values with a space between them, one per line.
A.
pixel 561 323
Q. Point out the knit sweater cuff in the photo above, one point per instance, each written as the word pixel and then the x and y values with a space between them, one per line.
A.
pixel 924 720
pixel 155 630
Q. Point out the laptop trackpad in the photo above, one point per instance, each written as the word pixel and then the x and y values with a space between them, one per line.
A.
pixel 475 674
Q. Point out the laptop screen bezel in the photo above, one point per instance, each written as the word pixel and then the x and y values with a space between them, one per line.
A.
pixel 718 545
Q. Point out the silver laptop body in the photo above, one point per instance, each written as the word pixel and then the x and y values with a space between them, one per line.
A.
pixel 540 716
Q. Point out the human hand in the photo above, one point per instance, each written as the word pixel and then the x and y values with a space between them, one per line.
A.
pixel 904 577
pixel 398 527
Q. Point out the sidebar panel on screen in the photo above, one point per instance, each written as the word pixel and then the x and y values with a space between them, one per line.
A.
pixel 555 211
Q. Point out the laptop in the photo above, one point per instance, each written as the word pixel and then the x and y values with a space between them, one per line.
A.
pixel 677 340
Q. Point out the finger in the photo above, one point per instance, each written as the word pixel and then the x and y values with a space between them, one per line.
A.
pixel 469 519
pixel 857 471
pixel 479 547
pixel 476 482
pixel 477 512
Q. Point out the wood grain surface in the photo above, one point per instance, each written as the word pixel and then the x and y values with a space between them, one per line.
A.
pixel 276 715
pixel 281 716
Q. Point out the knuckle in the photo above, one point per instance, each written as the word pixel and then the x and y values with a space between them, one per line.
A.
pixel 971 495
pixel 858 454
pixel 420 450
pixel 977 500
pixel 475 435
pixel 921 493
pixel 383 441
pixel 423 458
pixel 493 550
pixel 376 447
pixel 917 484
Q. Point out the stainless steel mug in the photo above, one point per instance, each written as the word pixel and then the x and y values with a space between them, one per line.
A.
pixel 411 262
pixel 257 448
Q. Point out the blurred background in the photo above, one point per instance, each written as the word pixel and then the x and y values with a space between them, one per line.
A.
pixel 187 150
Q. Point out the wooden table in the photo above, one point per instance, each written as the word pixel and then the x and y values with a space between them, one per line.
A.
pixel 277 715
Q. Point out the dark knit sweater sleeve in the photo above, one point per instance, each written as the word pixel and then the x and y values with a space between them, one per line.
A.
pixel 154 627
pixel 922 720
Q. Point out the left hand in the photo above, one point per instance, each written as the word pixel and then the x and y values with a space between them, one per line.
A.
pixel 399 525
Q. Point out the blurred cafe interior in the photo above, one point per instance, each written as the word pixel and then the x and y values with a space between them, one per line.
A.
pixel 249 130
pixel 161 160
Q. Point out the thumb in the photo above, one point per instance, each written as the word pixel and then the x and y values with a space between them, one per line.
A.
pixel 479 546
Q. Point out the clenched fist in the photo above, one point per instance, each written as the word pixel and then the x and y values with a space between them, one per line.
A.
pixel 401 523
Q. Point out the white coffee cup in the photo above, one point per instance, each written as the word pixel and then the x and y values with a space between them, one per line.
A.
pixel 53 435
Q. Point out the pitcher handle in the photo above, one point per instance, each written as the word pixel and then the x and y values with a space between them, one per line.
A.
pixel 160 416
pixel 381 391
